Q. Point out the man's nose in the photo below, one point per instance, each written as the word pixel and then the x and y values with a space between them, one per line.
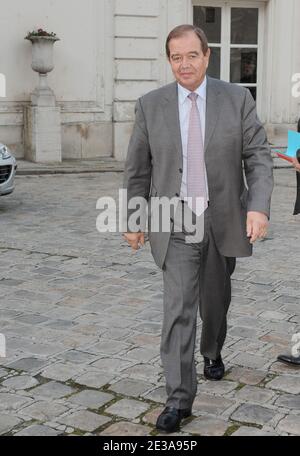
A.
pixel 185 63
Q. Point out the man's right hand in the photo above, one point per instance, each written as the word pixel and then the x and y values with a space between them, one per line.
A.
pixel 135 240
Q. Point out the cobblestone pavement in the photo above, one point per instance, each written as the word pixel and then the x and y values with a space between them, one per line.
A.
pixel 82 317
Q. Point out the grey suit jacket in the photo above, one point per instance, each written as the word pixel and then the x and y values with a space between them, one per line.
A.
pixel 233 136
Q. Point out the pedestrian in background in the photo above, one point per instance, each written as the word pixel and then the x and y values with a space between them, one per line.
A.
pixel 294 357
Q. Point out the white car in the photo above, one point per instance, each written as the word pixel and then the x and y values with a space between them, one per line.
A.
pixel 8 168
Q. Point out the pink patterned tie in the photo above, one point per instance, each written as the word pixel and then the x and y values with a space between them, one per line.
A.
pixel 196 185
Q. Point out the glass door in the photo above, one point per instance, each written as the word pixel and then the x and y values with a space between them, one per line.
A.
pixel 244 47
pixel 209 19
pixel 235 39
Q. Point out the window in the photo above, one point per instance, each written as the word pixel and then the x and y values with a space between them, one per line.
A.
pixel 234 37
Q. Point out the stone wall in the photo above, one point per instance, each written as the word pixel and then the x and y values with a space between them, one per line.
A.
pixel 82 79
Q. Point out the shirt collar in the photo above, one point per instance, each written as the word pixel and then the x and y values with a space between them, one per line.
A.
pixel 183 93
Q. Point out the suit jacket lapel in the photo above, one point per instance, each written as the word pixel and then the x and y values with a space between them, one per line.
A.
pixel 213 107
pixel 171 116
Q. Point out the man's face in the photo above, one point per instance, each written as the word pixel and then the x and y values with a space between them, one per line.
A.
pixel 187 60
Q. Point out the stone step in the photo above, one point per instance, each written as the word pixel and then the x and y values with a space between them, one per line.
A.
pixel 102 165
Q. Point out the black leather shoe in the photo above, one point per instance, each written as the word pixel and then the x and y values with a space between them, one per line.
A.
pixel 169 419
pixel 213 369
pixel 289 359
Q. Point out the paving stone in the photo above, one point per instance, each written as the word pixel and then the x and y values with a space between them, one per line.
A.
pixel 10 282
pixel 127 408
pixel 248 360
pixel 247 376
pixel 276 338
pixel 125 428
pixel 261 277
pixel 274 315
pixel 95 379
pixel 7 423
pixel 285 299
pixel 91 399
pixel 151 417
pixel 254 394
pixel 142 354
pixel 33 348
pixel 84 420
pixel 253 413
pixel 76 356
pixel 108 347
pixel 217 387
pixel 140 339
pixel 206 426
pixel 149 328
pixel 116 334
pixel 32 319
pixel 38 430
pixel 290 424
pixel 211 404
pixel 143 372
pixel 157 395
pixel 245 431
pixel 32 296
pixel 111 364
pixel 281 368
pixel 280 326
pixel 59 427
pixel 20 382
pixel 48 271
pixel 243 331
pixel 246 345
pixel 53 390
pixel 28 364
pixel 61 371
pixel 289 401
pixel 44 410
pixel 3 372
pixel 90 329
pixel 286 383
pixel 131 387
pixel 10 401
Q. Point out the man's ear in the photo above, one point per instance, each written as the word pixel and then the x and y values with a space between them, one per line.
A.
pixel 207 55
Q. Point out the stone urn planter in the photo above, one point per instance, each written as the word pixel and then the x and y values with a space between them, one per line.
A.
pixel 42 63
pixel 42 120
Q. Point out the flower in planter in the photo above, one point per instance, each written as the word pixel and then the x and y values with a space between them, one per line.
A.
pixel 40 32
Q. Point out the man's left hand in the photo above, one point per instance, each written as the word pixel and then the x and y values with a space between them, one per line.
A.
pixel 296 164
pixel 257 225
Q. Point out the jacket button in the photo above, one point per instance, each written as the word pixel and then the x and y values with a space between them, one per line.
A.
pixel 180 170
pixel 176 194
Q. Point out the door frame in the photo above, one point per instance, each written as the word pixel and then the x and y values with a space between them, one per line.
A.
pixel 226 46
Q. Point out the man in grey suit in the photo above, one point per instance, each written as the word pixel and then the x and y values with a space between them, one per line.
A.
pixel 190 140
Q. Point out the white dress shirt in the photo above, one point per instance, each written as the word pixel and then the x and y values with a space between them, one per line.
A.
pixel 185 104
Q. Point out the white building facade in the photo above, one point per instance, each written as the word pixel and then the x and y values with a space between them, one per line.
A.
pixel 113 51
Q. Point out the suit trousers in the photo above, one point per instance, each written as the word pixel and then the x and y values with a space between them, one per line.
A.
pixel 195 275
